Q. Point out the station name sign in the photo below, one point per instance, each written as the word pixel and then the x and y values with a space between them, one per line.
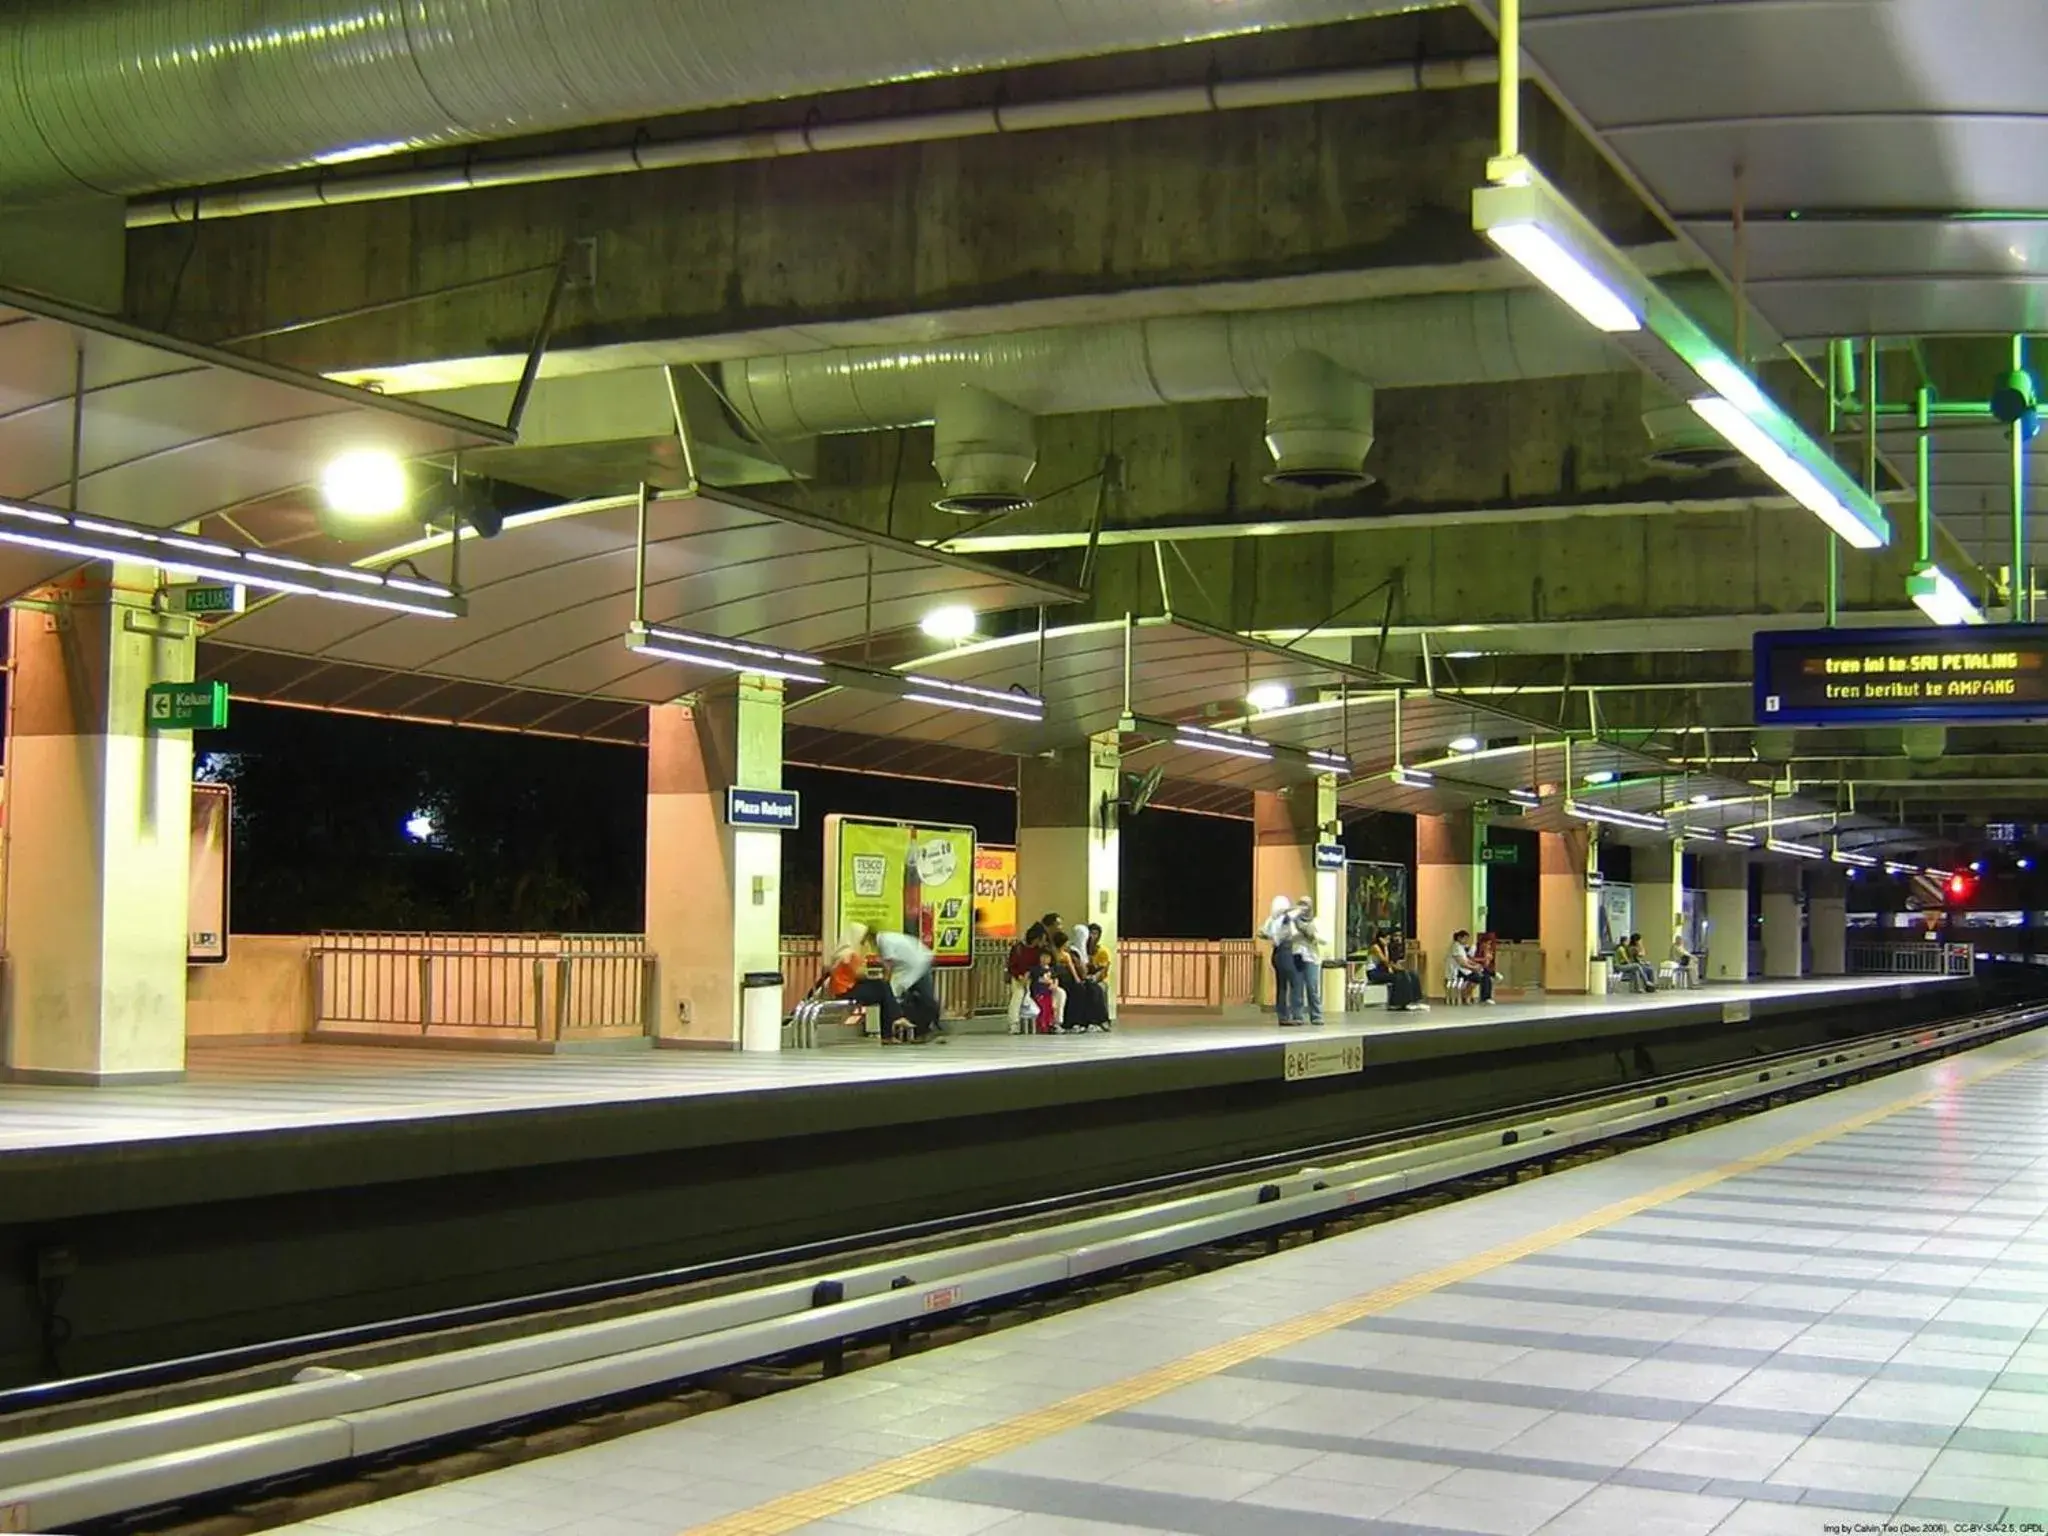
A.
pixel 772 808
pixel 1902 676
pixel 1330 856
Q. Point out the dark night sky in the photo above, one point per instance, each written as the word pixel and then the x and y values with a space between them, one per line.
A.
pixel 534 834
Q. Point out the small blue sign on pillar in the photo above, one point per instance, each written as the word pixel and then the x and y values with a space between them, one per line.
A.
pixel 775 809
pixel 1330 856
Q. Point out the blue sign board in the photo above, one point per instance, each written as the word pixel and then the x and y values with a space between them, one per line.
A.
pixel 771 808
pixel 1902 676
pixel 1330 856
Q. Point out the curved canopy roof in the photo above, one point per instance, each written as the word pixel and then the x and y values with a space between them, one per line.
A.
pixel 116 422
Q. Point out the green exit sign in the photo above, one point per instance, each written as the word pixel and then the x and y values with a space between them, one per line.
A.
pixel 208 598
pixel 1499 853
pixel 186 706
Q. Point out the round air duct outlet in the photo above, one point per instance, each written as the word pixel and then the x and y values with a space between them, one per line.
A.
pixel 1318 425
pixel 984 449
pixel 1680 440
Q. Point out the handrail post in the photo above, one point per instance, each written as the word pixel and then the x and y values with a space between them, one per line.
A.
pixel 426 992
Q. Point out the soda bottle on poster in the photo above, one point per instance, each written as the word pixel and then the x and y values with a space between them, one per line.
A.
pixel 913 890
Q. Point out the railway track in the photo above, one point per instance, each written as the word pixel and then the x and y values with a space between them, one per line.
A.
pixel 254 1438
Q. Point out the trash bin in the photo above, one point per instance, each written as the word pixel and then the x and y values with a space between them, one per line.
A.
pixel 761 1011
pixel 1335 1001
pixel 1596 978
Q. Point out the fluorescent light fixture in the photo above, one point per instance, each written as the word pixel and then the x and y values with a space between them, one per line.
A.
pixel 724 655
pixel 1698 835
pixel 1333 762
pixel 1601 776
pixel 1614 817
pixel 1464 744
pixel 954 622
pixel 950 695
pixel 1740 839
pixel 365 485
pixel 1793 477
pixel 1893 868
pixel 1463 655
pixel 1542 233
pixel 1732 384
pixel 1269 696
pixel 103 539
pixel 1935 593
pixel 1702 799
pixel 1858 860
pixel 1230 743
pixel 1527 797
pixel 1797 850
pixel 1413 778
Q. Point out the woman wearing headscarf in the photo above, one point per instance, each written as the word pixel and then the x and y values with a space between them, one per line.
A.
pixel 1279 932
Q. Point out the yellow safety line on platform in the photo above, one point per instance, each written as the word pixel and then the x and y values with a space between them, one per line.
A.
pixel 899 1474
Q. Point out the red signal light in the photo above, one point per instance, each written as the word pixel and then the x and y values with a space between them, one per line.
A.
pixel 1959 887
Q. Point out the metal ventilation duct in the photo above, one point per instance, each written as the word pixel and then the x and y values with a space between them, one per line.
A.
pixel 1318 425
pixel 984 450
pixel 128 96
pixel 1460 338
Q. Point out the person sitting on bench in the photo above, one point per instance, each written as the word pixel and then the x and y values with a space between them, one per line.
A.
pixel 1462 971
pixel 1404 987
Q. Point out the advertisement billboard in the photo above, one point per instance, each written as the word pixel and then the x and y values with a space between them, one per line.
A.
pixel 896 877
pixel 995 891
pixel 206 902
pixel 1375 902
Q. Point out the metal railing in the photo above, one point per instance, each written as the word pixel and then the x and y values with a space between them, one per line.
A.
pixel 1188 973
pixel 1912 959
pixel 540 986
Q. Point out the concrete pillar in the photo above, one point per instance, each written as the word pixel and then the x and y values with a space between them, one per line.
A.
pixel 1827 921
pixel 713 891
pixel 1286 826
pixel 1066 848
pixel 99 822
pixel 1660 895
pixel 1566 916
pixel 1726 878
pixel 1784 959
pixel 1447 887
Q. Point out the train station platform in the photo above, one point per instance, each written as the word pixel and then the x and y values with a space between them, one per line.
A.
pixel 1814 1319
pixel 249 1090
pixel 348 1186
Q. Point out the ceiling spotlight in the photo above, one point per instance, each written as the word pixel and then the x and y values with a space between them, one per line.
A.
pixel 1464 743
pixel 364 485
pixel 1267 696
pixel 1976 866
pixel 955 622
pixel 2026 863
pixel 1600 776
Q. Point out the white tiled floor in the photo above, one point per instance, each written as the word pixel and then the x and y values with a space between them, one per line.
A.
pixel 241 1089
pixel 1791 1348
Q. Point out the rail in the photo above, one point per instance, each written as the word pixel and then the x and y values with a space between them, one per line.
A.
pixel 1918 959
pixel 542 987
pixel 1188 973
pixel 142 1458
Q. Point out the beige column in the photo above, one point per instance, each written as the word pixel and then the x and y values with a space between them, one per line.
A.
pixel 1287 824
pixel 1827 921
pixel 1067 847
pixel 99 839
pixel 1784 959
pixel 1447 888
pixel 1565 913
pixel 714 892
pixel 1726 878
pixel 1660 894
